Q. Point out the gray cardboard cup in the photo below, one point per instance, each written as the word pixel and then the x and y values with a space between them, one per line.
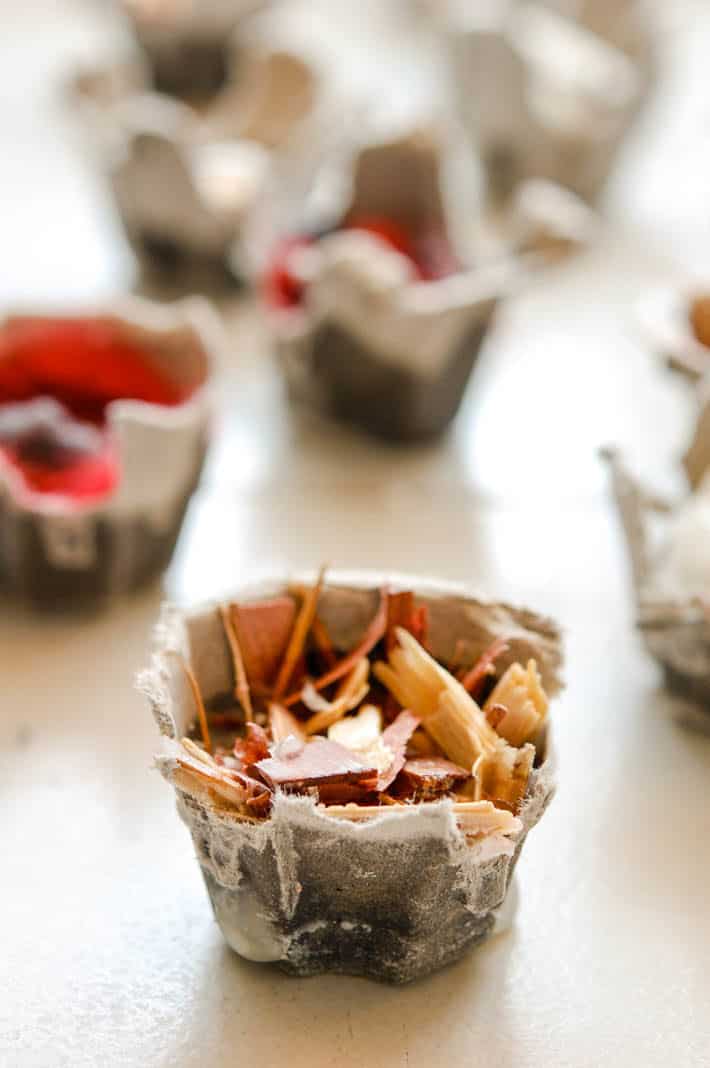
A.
pixel 62 558
pixel 393 897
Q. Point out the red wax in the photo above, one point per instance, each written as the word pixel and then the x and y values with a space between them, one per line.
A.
pixel 429 251
pixel 57 378
pixel 281 288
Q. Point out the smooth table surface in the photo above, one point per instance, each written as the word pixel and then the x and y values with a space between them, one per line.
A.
pixel 109 954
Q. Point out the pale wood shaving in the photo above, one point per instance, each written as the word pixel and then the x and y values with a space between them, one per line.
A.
pixel 457 724
pixel 503 774
pixel 362 735
pixel 482 818
pixel 284 724
pixel 520 693
pixel 353 682
pixel 197 698
pixel 448 713
pixel 474 817
pixel 193 773
pixel 456 731
pixel 351 691
pixel 197 752
pixel 422 744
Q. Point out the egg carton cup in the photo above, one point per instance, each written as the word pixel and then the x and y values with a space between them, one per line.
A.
pixel 185 181
pixel 666 547
pixel 372 345
pixel 393 896
pixel 542 223
pixel 188 46
pixel 383 352
pixel 60 556
pixel 541 96
pixel 624 24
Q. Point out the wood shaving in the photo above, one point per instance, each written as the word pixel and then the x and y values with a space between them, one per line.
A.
pixel 322 642
pixel 367 643
pixel 352 690
pixel 241 687
pixel 302 626
pixel 197 698
pixel 524 701
pixel 448 713
pixel 194 750
pixel 263 630
pixel 362 735
pixel 502 776
pixel 284 724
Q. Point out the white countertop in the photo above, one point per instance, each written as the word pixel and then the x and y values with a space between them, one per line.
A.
pixel 109 954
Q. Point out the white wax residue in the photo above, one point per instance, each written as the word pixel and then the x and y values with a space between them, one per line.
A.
pixel 506 913
pixel 245 928
pixel 290 746
pixel 358 732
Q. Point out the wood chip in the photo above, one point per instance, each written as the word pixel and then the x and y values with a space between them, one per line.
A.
pixel 284 724
pixel 297 642
pixel 197 698
pixel 473 679
pixel 519 692
pixel 402 612
pixel 396 737
pixel 231 786
pixel 427 778
pixel 503 775
pixel 263 629
pixel 367 643
pixel 475 818
pixel 322 642
pixel 318 762
pixel 241 686
pixel 447 712
pixel 480 818
pixel 195 751
pixel 699 316
pixel 352 690
pixel 253 746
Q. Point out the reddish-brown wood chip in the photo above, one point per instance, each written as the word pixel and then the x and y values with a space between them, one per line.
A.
pixel 400 608
pixel 429 777
pixel 260 805
pixel 484 666
pixel 419 625
pixel 343 793
pixel 242 693
pixel 254 746
pixel 402 612
pixel 299 634
pixel 263 630
pixel 367 643
pixel 322 642
pixel 396 738
pixel 316 763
